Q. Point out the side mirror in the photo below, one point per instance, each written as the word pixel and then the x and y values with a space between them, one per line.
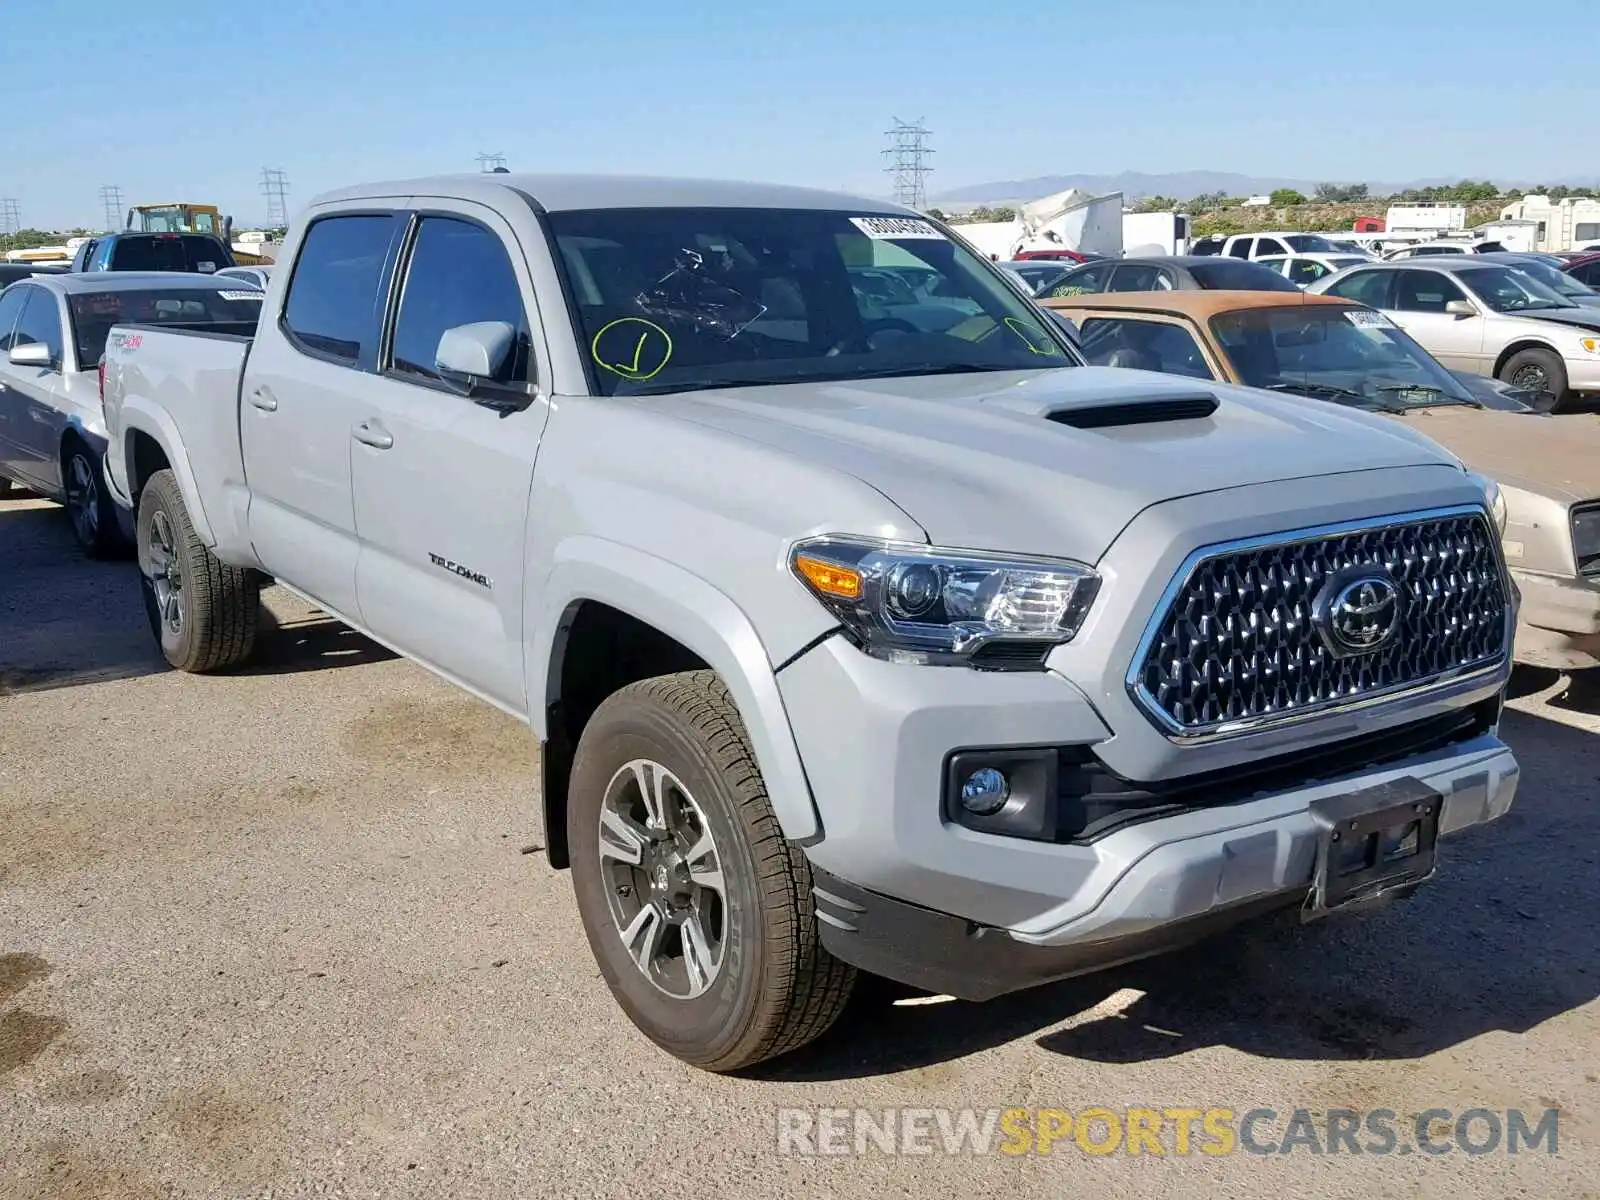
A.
pixel 1460 308
pixel 32 354
pixel 476 350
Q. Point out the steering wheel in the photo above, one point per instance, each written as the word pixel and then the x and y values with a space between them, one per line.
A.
pixel 869 329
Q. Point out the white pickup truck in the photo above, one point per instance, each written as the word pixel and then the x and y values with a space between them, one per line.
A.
pixel 852 640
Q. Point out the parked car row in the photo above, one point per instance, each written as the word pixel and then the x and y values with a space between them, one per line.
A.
pixel 864 626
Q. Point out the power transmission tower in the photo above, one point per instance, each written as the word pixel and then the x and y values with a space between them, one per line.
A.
pixel 10 217
pixel 275 187
pixel 491 164
pixel 111 206
pixel 907 152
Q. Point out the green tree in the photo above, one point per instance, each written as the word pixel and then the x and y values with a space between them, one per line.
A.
pixel 1287 198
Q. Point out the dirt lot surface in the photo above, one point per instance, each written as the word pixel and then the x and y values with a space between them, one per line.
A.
pixel 275 933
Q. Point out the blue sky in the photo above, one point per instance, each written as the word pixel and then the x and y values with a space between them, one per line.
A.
pixel 190 101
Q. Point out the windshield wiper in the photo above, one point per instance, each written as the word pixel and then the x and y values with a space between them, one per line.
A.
pixel 1326 389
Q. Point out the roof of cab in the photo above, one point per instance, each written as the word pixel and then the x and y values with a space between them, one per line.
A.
pixel 1199 305
pixel 73 283
pixel 558 193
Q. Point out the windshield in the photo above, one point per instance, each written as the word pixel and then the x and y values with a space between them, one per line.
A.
pixel 1510 289
pixel 1352 355
pixel 1558 282
pixel 672 299
pixel 1310 243
pixel 94 313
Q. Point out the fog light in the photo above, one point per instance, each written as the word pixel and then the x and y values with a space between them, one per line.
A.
pixel 985 792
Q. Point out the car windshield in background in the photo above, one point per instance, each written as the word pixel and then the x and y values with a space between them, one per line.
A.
pixel 1041 275
pixel 167 252
pixel 1237 275
pixel 1511 289
pixel 1354 356
pixel 672 299
pixel 1310 243
pixel 1557 281
pixel 94 313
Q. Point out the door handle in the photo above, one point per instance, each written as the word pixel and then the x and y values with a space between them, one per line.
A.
pixel 371 433
pixel 264 400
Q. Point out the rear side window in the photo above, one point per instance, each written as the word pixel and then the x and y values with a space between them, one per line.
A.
pixel 1365 287
pixel 1241 248
pixel 1270 246
pixel 332 306
pixel 169 252
pixel 1425 291
pixel 459 275
pixel 1140 277
pixel 41 322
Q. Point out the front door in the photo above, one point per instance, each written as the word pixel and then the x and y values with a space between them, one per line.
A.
pixel 441 481
pixel 308 384
pixel 34 419
pixel 1455 339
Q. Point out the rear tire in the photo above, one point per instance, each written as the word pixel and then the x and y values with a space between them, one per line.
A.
pixel 203 613
pixel 666 764
pixel 89 506
pixel 1538 370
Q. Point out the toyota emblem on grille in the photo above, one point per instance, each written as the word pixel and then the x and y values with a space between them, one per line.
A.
pixel 1358 610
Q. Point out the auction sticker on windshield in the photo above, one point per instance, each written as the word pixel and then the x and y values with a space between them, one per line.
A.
pixel 896 228
pixel 1363 318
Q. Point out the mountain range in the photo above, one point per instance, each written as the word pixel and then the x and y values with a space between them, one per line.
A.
pixel 1181 185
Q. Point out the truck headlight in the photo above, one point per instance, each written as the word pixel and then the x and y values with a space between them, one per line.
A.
pixel 1586 537
pixel 919 604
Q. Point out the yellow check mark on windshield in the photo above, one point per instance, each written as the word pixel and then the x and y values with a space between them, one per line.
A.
pixel 638 353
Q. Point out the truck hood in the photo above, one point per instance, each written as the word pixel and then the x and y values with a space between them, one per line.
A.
pixel 1538 454
pixel 986 461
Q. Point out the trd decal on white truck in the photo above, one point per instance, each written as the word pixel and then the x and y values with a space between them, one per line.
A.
pixel 465 572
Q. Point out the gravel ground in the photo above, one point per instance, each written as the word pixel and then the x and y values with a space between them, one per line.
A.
pixel 275 933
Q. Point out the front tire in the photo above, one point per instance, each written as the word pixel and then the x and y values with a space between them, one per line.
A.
pixel 203 612
pixel 697 909
pixel 89 506
pixel 1540 371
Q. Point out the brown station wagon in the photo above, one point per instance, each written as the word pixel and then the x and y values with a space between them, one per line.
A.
pixel 1328 349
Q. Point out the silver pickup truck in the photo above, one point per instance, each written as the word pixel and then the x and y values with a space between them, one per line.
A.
pixel 853 638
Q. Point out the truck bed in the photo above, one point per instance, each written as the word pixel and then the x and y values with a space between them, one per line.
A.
pixel 180 384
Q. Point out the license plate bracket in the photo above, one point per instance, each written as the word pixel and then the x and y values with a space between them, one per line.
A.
pixel 1372 843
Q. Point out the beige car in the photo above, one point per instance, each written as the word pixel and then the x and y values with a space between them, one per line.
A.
pixel 1548 467
pixel 1483 316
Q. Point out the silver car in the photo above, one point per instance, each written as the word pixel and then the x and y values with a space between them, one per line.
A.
pixel 1486 317
pixel 52 334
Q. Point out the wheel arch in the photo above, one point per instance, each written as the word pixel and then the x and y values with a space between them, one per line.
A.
pixel 602 597
pixel 151 443
pixel 1517 347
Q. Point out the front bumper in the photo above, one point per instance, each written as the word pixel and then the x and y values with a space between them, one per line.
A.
pixel 1188 876
pixel 1583 372
pixel 1558 624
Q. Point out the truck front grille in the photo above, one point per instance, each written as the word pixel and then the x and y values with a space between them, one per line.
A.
pixel 1236 642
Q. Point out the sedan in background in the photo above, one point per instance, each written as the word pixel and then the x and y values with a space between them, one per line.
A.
pixel 1037 275
pixel 1170 273
pixel 1585 268
pixel 1475 314
pixel 53 331
pixel 1326 349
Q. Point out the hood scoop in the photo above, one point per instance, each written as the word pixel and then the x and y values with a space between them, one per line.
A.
pixel 1146 410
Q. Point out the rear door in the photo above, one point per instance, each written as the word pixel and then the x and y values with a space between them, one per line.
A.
pixel 309 381
pixel 441 480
